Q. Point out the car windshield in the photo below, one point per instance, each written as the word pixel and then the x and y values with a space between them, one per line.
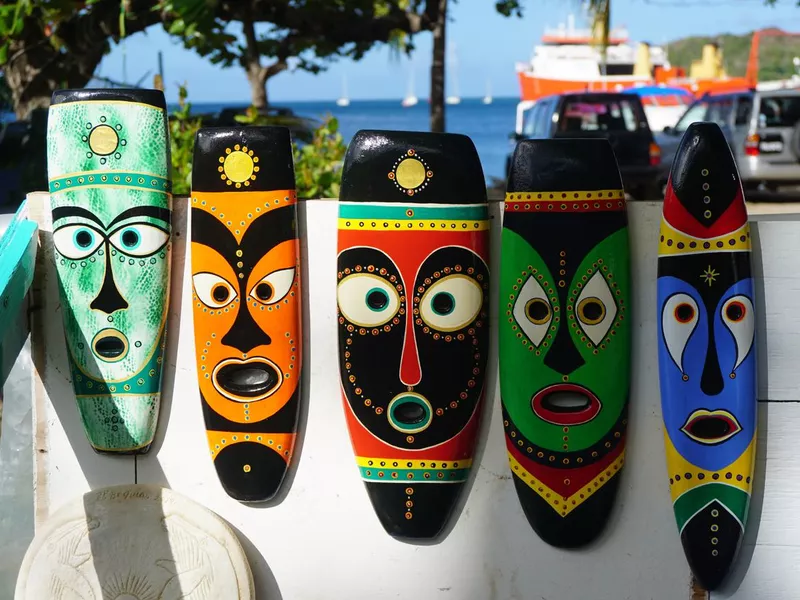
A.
pixel 696 112
pixel 779 111
pixel 601 114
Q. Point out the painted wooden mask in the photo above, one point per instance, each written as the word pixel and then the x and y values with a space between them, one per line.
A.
pixel 246 300
pixel 108 166
pixel 412 295
pixel 707 363
pixel 564 334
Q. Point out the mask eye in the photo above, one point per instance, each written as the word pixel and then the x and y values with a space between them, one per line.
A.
pixel 213 290
pixel 451 303
pixel 678 321
pixel 739 318
pixel 139 239
pixel 595 308
pixel 532 311
pixel 273 287
pixel 367 300
pixel 77 241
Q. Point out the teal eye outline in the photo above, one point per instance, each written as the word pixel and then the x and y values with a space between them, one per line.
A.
pixel 385 296
pixel 66 244
pixel 351 298
pixel 138 237
pixel 79 246
pixel 152 239
pixel 452 305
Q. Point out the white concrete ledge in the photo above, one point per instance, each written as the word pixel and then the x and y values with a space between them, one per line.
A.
pixel 322 540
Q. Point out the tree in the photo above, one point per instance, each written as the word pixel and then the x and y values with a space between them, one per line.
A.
pixel 301 34
pixel 47 45
pixel 50 44
pixel 438 69
pixel 438 12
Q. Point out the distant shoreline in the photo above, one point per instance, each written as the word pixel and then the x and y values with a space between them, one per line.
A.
pixel 422 101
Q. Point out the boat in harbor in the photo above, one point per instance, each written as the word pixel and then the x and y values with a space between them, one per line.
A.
pixel 410 98
pixel 487 99
pixel 344 99
pixel 570 59
pixel 452 70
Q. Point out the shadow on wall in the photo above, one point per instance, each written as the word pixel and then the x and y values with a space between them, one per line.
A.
pixel 16 457
pixel 745 558
pixel 135 541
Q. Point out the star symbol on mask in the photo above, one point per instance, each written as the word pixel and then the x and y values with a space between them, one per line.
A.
pixel 709 275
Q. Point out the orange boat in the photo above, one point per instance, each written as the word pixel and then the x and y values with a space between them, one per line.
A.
pixel 569 60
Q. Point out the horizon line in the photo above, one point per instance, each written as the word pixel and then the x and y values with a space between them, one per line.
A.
pixel 334 100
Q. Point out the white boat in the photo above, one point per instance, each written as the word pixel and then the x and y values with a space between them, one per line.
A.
pixel 410 99
pixel 454 98
pixel 343 100
pixel 567 60
pixel 487 99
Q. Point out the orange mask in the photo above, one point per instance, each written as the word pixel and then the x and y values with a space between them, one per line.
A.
pixel 246 305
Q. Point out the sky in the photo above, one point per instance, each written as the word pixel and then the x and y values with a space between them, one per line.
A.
pixel 486 46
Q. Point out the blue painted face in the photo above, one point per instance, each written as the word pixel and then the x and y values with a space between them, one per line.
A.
pixel 708 347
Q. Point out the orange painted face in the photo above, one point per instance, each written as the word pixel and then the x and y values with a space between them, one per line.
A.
pixel 246 301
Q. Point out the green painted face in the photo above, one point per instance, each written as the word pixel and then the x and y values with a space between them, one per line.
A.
pixel 572 334
pixel 110 199
pixel 113 280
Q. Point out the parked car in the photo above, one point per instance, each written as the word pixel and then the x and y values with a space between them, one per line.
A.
pixel 619 118
pixel 762 129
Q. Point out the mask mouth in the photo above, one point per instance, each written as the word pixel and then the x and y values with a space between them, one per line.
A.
pixel 711 427
pixel 248 380
pixel 409 412
pixel 566 404
pixel 110 345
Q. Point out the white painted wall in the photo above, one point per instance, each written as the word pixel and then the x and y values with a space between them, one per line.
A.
pixel 322 541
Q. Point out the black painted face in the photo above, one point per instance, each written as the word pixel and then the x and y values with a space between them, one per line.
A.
pixel 413 384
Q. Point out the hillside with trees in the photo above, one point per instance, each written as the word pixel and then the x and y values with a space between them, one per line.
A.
pixel 775 53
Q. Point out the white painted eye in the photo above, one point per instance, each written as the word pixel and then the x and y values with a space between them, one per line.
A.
pixel 451 303
pixel 595 308
pixel 139 239
pixel 213 290
pixel 739 317
pixel 532 311
pixel 367 300
pixel 273 287
pixel 678 321
pixel 77 241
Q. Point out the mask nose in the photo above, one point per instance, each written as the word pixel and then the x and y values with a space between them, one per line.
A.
pixel 563 356
pixel 108 299
pixel 245 334
pixel 711 382
pixel 410 370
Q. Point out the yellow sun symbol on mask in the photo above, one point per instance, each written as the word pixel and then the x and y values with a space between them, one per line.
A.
pixel 238 167
pixel 410 173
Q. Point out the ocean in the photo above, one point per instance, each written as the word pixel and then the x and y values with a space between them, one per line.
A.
pixel 489 125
